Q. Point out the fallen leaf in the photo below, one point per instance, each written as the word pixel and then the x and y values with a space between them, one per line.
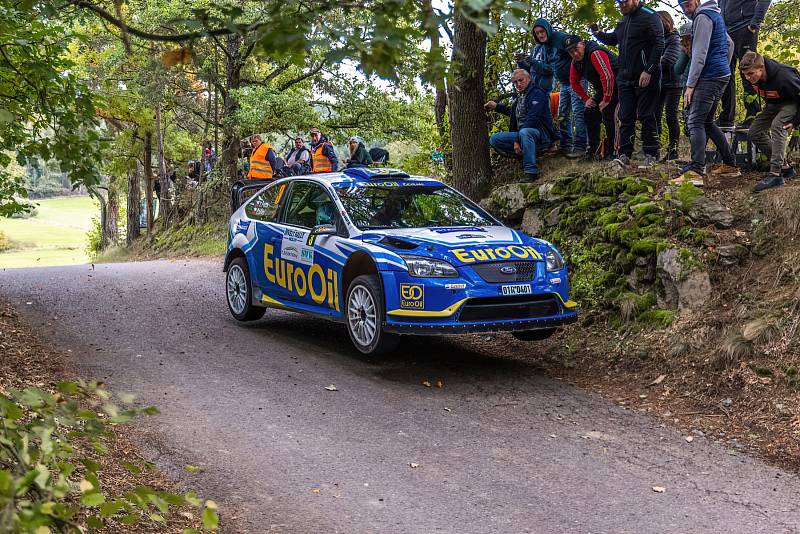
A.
pixel 659 489
pixel 412 465
pixel 689 439
pixel 426 383
pixel 193 469
pixel 658 380
pixel 447 409
pixel 316 490
pixel 552 435
pixel 331 388
pixel 439 384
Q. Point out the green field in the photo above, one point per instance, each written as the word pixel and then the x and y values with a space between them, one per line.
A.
pixel 55 236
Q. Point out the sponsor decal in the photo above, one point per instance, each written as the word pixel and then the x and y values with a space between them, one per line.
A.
pixel 390 183
pixel 472 236
pixel 412 296
pixel 321 284
pixel 242 226
pixel 521 252
pixel 448 230
pixel 295 247
pixel 455 286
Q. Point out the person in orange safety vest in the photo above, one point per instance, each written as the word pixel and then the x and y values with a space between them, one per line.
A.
pixel 263 161
pixel 323 156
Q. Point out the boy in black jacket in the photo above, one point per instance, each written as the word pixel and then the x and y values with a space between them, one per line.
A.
pixel 531 123
pixel 779 86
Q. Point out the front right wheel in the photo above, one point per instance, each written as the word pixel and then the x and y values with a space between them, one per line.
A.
pixel 365 314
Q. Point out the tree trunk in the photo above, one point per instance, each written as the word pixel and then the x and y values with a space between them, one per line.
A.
pixel 147 156
pixel 471 170
pixel 440 108
pixel 134 196
pixel 111 228
pixel 233 81
pixel 164 205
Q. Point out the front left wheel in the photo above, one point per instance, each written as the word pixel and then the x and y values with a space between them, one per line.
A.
pixel 239 291
pixel 365 312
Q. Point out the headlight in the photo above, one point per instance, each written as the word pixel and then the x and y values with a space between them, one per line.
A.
pixel 429 267
pixel 554 260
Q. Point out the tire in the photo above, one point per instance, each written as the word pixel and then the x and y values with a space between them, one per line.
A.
pixel 239 292
pixel 534 335
pixel 364 315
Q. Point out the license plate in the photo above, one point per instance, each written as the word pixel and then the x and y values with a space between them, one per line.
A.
pixel 516 289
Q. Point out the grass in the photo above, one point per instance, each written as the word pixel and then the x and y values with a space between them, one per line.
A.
pixel 55 236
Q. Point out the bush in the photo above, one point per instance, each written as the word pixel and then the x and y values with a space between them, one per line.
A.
pixel 47 475
pixel 5 242
pixel 94 239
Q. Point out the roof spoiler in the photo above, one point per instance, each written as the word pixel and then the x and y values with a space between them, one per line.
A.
pixel 241 188
pixel 373 173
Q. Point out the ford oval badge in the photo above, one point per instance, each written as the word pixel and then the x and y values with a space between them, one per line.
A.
pixel 508 269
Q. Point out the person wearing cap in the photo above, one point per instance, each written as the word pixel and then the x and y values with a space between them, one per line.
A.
pixel 263 162
pixel 709 71
pixel 548 59
pixel 323 155
pixel 598 66
pixel 743 18
pixel 359 157
pixel 639 37
pixel 531 124
pixel 670 95
pixel 779 86
pixel 298 159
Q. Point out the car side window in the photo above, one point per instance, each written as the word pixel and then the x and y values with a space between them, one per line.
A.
pixel 309 205
pixel 266 205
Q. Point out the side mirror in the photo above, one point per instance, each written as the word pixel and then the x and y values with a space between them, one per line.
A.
pixel 324 229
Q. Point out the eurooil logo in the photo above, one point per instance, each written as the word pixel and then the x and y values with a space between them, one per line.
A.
pixel 412 296
pixel 322 285
pixel 520 252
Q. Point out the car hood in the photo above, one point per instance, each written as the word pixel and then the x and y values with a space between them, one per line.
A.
pixel 460 245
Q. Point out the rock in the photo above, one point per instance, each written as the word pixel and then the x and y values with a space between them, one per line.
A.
pixel 730 254
pixel 547 193
pixel 510 201
pixel 551 219
pixel 489 205
pixel 684 286
pixel 532 223
pixel 707 211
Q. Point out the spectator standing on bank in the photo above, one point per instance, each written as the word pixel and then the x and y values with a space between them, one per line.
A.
pixel 531 127
pixel 743 18
pixel 671 90
pixel 639 37
pixel 709 71
pixel 263 163
pixel 598 66
pixel 323 155
pixel 779 85
pixel 556 64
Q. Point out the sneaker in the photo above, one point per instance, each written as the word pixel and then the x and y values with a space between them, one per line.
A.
pixel 671 155
pixel 723 170
pixel 768 182
pixel 648 161
pixel 575 154
pixel 689 177
pixel 623 160
pixel 530 177
pixel 788 173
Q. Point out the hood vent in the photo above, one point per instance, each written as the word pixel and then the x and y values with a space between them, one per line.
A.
pixel 397 243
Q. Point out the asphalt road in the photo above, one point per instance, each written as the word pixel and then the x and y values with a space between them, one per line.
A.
pixel 499 448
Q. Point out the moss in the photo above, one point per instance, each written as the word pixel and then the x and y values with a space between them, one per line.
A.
pixel 629 236
pixel 530 192
pixel 647 246
pixel 657 318
pixel 634 186
pixel 611 231
pixel 644 209
pixel 686 195
pixel 638 199
pixel 589 202
pixel 607 186
pixel 696 236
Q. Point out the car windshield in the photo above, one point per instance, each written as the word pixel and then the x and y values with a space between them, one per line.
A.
pixel 408 206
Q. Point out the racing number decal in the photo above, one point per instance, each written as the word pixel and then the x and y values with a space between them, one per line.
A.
pixel 412 296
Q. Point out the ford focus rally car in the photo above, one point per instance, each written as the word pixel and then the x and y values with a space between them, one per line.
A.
pixel 386 254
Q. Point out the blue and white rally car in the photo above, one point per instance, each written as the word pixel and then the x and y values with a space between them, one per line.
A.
pixel 386 254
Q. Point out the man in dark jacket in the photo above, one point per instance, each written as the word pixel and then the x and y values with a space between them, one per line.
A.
pixel 743 19
pixel 598 66
pixel 639 37
pixel 669 100
pixel 298 160
pixel 531 123
pixel 779 86
pixel 549 59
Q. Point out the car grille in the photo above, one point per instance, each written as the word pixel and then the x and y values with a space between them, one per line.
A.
pixel 508 308
pixel 490 272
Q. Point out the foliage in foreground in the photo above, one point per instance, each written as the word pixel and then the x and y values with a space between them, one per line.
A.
pixel 49 480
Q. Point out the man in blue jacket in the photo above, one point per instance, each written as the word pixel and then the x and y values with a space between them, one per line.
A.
pixel 531 123
pixel 547 60
pixel 743 18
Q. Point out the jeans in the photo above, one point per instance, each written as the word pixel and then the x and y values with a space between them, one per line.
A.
pixel 608 118
pixel 743 41
pixel 527 138
pixel 570 114
pixel 769 135
pixel 669 101
pixel 702 126
pixel 638 103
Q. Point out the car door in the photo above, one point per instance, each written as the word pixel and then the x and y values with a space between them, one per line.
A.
pixel 264 211
pixel 309 277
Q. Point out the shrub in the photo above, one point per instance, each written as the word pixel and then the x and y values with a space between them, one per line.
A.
pixel 5 242
pixel 47 475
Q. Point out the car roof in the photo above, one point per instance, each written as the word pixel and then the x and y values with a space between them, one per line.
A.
pixel 366 175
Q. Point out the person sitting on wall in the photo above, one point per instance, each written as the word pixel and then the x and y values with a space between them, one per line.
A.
pixel 298 160
pixel 359 157
pixel 531 123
